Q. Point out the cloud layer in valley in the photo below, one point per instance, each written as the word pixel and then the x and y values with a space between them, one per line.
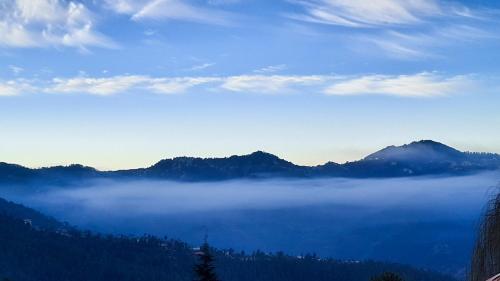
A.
pixel 433 218
pixel 444 194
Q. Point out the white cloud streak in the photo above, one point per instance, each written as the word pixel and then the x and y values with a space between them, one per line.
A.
pixel 271 69
pixel 180 84
pixel 272 84
pixel 360 13
pixel 425 84
pixel 16 69
pixel 44 23
pixel 200 66
pixel 402 29
pixel 419 85
pixel 123 84
pixel 420 45
pixel 168 10
pixel 96 86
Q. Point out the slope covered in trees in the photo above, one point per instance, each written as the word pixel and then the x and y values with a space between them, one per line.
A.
pixel 29 253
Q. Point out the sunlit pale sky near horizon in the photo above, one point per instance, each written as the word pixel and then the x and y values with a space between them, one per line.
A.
pixel 124 83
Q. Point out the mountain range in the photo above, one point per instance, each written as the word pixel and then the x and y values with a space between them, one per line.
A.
pixel 418 158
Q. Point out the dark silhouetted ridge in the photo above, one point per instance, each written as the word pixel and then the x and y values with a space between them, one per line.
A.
pixel 425 150
pixel 425 157
pixel 255 165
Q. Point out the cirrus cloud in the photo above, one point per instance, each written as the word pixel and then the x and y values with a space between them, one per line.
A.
pixel 403 29
pixel 359 13
pixel 168 10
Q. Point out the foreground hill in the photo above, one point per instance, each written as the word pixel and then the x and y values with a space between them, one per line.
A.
pixel 414 159
pixel 30 249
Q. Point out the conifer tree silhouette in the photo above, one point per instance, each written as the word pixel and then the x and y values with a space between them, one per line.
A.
pixel 205 269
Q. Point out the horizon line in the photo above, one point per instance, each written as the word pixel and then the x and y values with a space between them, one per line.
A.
pixel 232 155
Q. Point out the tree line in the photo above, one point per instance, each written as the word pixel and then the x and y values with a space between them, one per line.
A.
pixel 28 253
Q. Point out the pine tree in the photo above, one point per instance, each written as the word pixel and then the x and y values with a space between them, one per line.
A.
pixel 387 276
pixel 205 270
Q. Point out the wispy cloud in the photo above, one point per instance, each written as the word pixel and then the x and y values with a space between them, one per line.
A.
pixel 398 49
pixel 150 32
pixel 169 10
pixel 123 84
pixel 128 7
pixel 172 85
pixel 271 69
pixel 96 86
pixel 15 87
pixel 273 84
pixel 359 13
pixel 16 69
pixel 402 29
pixel 426 84
pixel 179 84
pixel 425 44
pixel 199 67
pixel 43 23
pixel 222 2
pixel 418 85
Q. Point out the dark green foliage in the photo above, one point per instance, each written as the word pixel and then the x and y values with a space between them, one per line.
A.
pixel 47 250
pixel 387 276
pixel 205 269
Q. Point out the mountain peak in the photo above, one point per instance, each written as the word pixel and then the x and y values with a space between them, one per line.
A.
pixel 434 145
pixel 423 150
pixel 261 158
pixel 257 155
pixel 427 143
pixel 261 154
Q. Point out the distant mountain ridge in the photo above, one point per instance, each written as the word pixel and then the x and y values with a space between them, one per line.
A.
pixel 256 165
pixel 418 158
pixel 425 150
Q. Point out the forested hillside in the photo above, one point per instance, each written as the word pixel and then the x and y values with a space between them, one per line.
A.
pixel 34 253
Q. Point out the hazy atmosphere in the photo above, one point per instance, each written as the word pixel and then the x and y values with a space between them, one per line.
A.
pixel 135 198
pixel 434 218
pixel 249 140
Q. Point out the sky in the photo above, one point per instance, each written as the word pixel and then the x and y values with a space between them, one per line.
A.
pixel 124 83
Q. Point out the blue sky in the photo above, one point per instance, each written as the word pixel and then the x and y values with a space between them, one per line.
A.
pixel 123 83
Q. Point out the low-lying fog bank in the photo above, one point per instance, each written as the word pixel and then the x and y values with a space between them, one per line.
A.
pixel 422 221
